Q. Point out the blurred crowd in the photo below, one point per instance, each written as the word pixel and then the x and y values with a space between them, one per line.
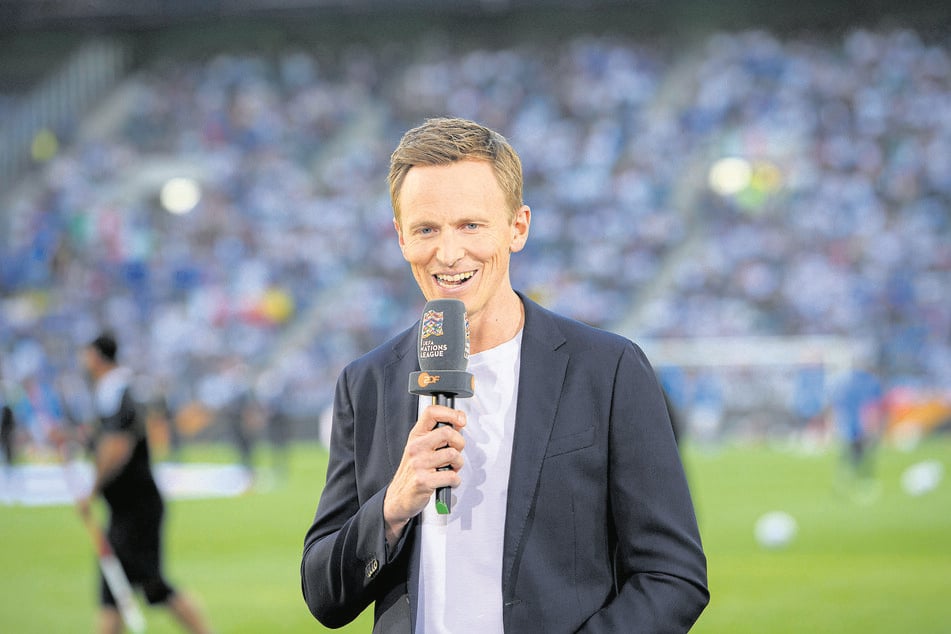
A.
pixel 288 266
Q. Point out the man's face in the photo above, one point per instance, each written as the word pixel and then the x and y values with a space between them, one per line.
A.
pixel 456 234
pixel 88 358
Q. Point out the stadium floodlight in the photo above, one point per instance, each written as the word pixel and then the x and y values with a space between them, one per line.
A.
pixel 180 195
pixel 730 175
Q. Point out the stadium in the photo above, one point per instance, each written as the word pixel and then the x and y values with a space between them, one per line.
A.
pixel 759 196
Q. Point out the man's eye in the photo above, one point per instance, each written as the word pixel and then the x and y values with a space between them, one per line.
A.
pixel 472 226
pixel 424 231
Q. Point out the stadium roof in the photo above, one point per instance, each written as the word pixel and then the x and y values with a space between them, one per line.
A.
pixel 98 15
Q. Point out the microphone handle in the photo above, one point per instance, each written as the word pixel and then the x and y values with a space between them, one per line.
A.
pixel 444 494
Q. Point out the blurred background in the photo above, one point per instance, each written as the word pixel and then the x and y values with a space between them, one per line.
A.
pixel 759 194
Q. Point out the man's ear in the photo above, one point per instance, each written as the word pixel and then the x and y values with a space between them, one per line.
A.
pixel 523 219
pixel 399 233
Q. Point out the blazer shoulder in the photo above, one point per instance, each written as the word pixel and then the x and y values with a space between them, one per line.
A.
pixel 391 351
pixel 571 333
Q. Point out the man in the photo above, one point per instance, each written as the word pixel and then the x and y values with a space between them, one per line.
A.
pixel 570 507
pixel 8 428
pixel 123 476
pixel 8 442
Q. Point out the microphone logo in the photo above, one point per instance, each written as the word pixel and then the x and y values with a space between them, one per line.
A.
pixel 432 324
pixel 426 379
pixel 443 351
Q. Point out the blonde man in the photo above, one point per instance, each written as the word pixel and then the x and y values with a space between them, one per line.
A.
pixel 571 511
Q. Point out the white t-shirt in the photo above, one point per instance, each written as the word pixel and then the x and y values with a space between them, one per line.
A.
pixel 109 390
pixel 460 584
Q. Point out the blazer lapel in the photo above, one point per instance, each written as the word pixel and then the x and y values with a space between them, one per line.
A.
pixel 538 394
pixel 399 416
pixel 400 406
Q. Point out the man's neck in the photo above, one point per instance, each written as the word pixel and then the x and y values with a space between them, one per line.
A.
pixel 104 371
pixel 498 326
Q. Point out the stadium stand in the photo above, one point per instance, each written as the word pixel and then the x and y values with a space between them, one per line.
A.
pixel 288 262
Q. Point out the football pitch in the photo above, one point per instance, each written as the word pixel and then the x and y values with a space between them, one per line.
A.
pixel 875 559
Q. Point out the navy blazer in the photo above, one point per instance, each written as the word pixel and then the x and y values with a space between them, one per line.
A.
pixel 600 531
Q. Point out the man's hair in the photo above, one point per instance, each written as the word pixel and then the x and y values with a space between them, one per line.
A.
pixel 442 141
pixel 105 345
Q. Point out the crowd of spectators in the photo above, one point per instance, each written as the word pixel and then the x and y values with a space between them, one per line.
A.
pixel 844 228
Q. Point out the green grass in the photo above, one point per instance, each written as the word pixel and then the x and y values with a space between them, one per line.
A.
pixel 855 565
pixel 883 566
pixel 238 557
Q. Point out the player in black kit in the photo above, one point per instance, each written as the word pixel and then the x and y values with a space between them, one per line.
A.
pixel 124 479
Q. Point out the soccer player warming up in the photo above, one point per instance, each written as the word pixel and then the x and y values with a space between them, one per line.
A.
pixel 123 477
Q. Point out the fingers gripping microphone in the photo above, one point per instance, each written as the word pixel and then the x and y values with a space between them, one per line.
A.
pixel 443 348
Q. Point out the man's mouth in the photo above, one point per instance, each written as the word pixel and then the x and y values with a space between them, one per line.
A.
pixel 457 279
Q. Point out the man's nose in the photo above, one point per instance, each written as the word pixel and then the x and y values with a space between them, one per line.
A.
pixel 450 249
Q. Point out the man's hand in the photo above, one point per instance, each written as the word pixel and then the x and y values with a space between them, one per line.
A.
pixel 427 449
pixel 84 506
pixel 59 438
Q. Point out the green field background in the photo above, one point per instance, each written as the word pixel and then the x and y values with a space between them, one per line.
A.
pixel 863 564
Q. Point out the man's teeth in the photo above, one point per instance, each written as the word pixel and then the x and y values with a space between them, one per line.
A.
pixel 454 279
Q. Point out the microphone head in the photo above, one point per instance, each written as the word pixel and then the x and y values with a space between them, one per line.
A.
pixel 443 349
pixel 444 336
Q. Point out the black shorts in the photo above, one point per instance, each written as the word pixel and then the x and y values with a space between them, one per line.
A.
pixel 136 541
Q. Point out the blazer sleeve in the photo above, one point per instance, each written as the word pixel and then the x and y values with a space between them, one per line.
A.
pixel 661 572
pixel 345 556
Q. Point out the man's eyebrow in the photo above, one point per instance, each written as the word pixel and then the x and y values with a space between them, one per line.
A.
pixel 419 224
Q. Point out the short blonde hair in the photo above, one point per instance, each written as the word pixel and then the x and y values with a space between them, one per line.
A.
pixel 441 141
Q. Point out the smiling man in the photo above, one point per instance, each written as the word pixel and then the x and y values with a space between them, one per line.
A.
pixel 460 231
pixel 571 511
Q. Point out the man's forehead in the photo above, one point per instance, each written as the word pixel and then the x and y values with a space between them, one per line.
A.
pixel 473 181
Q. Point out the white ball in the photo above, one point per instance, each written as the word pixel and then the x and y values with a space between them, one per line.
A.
pixel 775 529
pixel 922 477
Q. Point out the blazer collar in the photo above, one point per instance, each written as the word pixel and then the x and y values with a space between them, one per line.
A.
pixel 401 406
pixel 538 399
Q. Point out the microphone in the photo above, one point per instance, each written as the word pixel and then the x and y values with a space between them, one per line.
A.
pixel 443 349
